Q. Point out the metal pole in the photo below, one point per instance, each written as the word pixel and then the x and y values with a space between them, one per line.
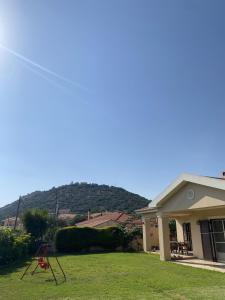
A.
pixel 56 205
pixel 17 212
pixel 32 273
pixel 26 270
pixel 52 271
pixel 60 267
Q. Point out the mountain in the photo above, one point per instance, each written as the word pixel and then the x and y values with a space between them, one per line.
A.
pixel 78 197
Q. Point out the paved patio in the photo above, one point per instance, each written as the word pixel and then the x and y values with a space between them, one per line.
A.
pixel 190 260
pixel 202 264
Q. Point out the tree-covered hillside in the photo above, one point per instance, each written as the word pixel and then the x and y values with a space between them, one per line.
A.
pixel 79 197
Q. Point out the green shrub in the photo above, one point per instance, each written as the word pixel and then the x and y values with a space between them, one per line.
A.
pixel 35 221
pixel 21 245
pixel 6 245
pixel 13 245
pixel 132 238
pixel 76 239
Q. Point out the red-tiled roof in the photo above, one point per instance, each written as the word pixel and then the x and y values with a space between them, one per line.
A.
pixel 94 215
pixel 117 217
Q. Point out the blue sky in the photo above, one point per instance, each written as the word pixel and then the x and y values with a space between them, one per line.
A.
pixel 146 100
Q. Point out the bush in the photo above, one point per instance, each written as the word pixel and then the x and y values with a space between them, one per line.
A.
pixel 21 246
pixel 76 239
pixel 134 238
pixel 13 245
pixel 35 221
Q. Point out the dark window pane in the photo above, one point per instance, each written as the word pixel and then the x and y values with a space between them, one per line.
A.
pixel 217 226
pixel 219 237
pixel 204 226
pixel 220 247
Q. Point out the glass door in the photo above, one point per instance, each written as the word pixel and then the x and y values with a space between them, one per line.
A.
pixel 218 231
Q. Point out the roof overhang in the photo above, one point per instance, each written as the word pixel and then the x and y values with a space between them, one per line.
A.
pixel 217 183
pixel 146 210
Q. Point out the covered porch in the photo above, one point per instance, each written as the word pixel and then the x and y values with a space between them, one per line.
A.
pixel 197 204
pixel 201 230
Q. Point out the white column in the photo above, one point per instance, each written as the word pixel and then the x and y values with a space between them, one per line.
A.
pixel 146 234
pixel 196 239
pixel 180 232
pixel 164 238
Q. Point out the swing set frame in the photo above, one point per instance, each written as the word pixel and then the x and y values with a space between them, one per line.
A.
pixel 42 261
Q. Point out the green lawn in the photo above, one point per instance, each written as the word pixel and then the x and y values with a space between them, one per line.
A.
pixel 115 276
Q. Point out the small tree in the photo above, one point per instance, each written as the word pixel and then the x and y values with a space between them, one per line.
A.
pixel 35 222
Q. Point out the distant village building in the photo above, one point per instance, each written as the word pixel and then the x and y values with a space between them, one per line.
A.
pixel 64 211
pixel 94 215
pixel 63 214
pixel 10 223
pixel 67 217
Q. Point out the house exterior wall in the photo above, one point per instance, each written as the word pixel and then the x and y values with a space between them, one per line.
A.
pixel 154 234
pixel 204 197
pixel 205 203
pixel 195 233
pixel 150 233
pixel 194 219
pixel 196 238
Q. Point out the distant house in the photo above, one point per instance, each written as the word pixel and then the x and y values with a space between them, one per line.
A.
pixel 10 222
pixel 67 217
pixel 64 211
pixel 94 215
pixel 105 220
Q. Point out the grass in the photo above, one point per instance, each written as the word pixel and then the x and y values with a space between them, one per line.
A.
pixel 116 276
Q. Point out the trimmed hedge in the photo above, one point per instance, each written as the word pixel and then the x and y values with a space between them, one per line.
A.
pixel 81 239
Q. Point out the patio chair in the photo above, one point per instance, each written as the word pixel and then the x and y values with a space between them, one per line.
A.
pixel 183 248
pixel 174 247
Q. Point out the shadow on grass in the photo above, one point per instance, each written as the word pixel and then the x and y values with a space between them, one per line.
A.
pixel 23 263
pixel 14 266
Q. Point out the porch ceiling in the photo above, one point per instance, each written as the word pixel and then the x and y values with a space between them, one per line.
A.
pixel 204 212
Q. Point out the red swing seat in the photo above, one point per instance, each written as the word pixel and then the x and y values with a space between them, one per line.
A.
pixel 42 263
